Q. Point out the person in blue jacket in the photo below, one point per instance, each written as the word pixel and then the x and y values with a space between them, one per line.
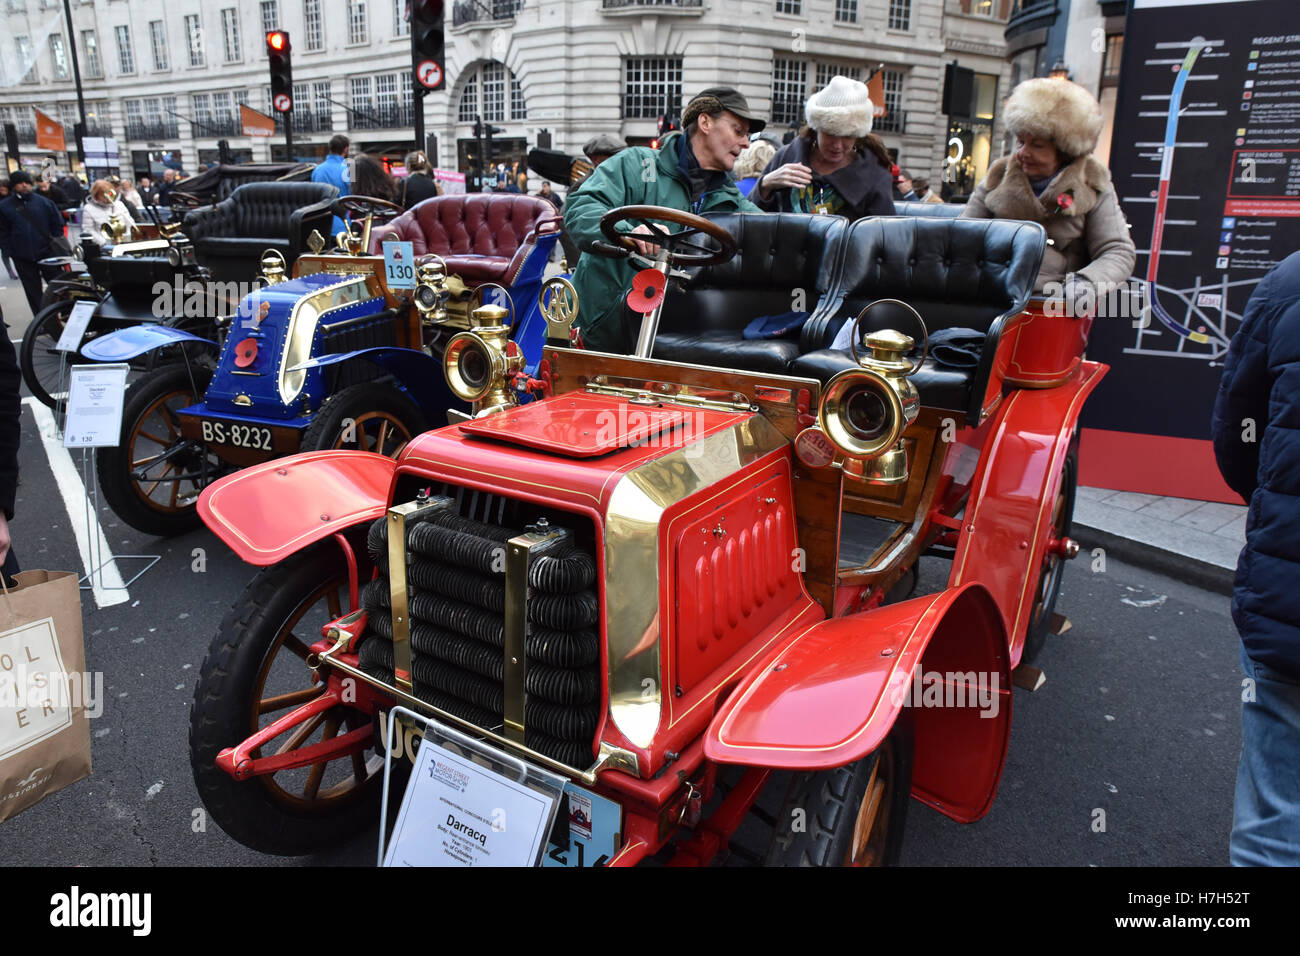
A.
pixel 28 221
pixel 335 172
pixel 1256 431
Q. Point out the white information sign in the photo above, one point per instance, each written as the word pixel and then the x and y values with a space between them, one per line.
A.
pixel 399 265
pixel 74 330
pixel 458 813
pixel 95 395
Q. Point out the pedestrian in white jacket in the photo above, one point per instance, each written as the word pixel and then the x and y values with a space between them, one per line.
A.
pixel 101 205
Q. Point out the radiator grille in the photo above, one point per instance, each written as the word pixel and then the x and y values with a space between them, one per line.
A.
pixel 456 601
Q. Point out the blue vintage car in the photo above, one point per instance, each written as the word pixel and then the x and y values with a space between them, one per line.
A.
pixel 332 357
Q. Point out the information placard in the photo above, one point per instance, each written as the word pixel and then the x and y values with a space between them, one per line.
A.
pixel 95 395
pixel 74 330
pixel 399 265
pixel 458 813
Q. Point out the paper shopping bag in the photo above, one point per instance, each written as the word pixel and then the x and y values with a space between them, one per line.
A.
pixel 44 690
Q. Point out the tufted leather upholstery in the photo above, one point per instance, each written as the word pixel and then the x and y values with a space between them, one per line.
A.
pixel 957 273
pixel 779 254
pixel 484 237
pixel 230 236
pixel 942 210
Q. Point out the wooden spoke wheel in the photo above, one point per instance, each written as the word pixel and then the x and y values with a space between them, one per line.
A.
pixel 254 674
pixel 153 478
pixel 371 416
pixel 1048 586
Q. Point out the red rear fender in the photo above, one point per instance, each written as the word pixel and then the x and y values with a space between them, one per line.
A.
pixel 272 510
pixel 832 695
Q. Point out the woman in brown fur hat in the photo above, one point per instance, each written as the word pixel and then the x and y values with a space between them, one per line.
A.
pixel 1052 179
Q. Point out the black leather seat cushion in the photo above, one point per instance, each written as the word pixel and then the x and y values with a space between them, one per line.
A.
pixel 938 385
pixel 722 349
pixel 241 246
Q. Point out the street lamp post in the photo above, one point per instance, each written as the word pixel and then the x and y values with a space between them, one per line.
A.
pixel 79 131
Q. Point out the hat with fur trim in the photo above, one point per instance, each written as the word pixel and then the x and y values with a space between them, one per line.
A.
pixel 1057 110
pixel 842 108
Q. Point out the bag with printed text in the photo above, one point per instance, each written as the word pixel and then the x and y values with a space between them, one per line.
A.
pixel 44 690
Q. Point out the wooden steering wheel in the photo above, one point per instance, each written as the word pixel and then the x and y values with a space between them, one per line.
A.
pixel 681 250
pixel 379 210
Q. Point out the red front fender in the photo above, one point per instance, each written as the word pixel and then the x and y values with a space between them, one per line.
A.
pixel 831 696
pixel 269 511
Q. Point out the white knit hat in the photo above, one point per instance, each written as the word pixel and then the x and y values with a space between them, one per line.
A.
pixel 843 108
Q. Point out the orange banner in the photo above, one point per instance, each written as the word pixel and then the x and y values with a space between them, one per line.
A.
pixel 876 90
pixel 255 123
pixel 49 133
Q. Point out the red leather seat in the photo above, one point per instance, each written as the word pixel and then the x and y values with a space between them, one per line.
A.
pixel 483 237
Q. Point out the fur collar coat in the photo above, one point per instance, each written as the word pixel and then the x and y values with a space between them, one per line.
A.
pixel 1086 230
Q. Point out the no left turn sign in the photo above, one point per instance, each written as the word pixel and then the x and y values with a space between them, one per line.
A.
pixel 429 73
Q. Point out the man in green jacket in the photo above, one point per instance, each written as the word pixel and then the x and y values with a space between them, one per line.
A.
pixel 690 171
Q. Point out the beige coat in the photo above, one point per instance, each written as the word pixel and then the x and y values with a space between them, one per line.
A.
pixel 1090 237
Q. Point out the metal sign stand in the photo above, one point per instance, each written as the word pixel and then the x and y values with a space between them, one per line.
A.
pixel 90 478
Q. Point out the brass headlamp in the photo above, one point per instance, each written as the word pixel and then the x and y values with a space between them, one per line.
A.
pixel 479 362
pixel 865 410
pixel 273 267
pixel 431 291
pixel 113 231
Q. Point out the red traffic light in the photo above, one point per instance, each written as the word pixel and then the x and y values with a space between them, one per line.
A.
pixel 277 40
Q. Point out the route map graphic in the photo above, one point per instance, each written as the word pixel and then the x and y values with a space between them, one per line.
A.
pixel 1205 158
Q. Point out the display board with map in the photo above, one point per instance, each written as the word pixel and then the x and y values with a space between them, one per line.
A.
pixel 1206 163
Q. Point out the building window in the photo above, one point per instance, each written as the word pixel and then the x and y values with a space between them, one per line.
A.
pixel 827 70
pixel 983 8
pixel 401 26
pixel 134 121
pixel 1110 65
pixel 652 86
pixel 59 54
pixel 194 39
pixel 201 103
pixel 311 18
pixel 789 6
pixel 468 108
pixel 789 84
pixel 846 11
pixel 158 39
pixel 517 108
pixel 356 22
pixel 494 92
pixel 361 101
pixel 125 55
pixel 230 33
pixel 270 16
pixel 892 121
pixel 90 47
pixel 900 14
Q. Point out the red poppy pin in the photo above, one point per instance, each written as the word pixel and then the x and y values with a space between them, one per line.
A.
pixel 647 291
pixel 1064 201
pixel 246 353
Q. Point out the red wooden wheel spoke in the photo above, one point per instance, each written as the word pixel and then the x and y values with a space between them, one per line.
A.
pixel 318 769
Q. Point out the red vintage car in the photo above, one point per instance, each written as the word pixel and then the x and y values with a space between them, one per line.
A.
pixel 696 556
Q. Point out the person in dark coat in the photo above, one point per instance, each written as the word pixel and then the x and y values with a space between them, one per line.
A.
pixel 28 221
pixel 1257 445
pixel 10 433
pixel 419 183
pixel 834 165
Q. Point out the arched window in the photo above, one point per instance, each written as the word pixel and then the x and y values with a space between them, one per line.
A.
pixel 493 92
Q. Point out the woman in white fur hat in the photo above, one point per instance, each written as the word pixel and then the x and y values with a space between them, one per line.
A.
pixel 834 165
pixel 1052 179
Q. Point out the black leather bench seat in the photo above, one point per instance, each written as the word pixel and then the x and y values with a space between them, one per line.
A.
pixel 727 350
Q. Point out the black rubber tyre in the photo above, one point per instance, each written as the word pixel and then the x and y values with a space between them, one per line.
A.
pixel 158 504
pixel 36 356
pixel 818 822
pixel 258 654
pixel 1048 586
pixel 371 416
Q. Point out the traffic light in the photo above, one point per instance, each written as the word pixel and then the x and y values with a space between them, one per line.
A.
pixel 667 124
pixel 488 132
pixel 427 44
pixel 277 51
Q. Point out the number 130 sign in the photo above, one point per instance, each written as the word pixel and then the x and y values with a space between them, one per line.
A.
pixel 399 265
